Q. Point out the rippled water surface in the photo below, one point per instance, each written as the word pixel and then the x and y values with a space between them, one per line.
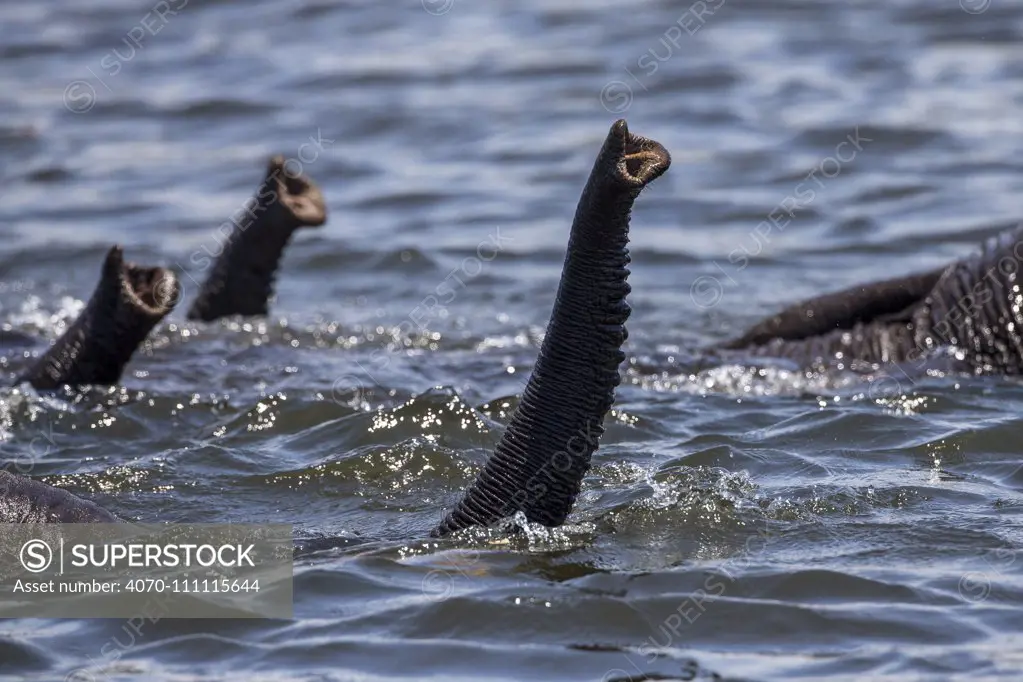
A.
pixel 739 523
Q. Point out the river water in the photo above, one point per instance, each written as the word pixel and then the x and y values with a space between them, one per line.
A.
pixel 739 523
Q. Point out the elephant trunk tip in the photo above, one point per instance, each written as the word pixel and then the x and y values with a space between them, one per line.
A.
pixel 640 160
pixel 295 192
pixel 152 291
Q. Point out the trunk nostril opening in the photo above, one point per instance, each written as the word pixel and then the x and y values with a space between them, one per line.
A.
pixel 634 165
pixel 642 165
pixel 151 286
pixel 142 284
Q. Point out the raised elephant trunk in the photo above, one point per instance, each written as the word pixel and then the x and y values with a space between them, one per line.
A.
pixel 242 278
pixel 127 303
pixel 540 462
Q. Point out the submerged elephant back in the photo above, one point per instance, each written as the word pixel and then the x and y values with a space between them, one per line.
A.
pixel 871 342
pixel 23 500
pixel 976 308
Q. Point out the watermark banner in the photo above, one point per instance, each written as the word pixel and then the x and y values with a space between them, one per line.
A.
pixel 125 570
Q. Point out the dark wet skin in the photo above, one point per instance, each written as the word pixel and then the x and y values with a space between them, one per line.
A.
pixel 130 299
pixel 241 279
pixel 538 466
pixel 973 307
pixel 128 302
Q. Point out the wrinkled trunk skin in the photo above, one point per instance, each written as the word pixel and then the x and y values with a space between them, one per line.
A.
pixel 540 462
pixel 242 278
pixel 23 500
pixel 973 307
pixel 128 302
